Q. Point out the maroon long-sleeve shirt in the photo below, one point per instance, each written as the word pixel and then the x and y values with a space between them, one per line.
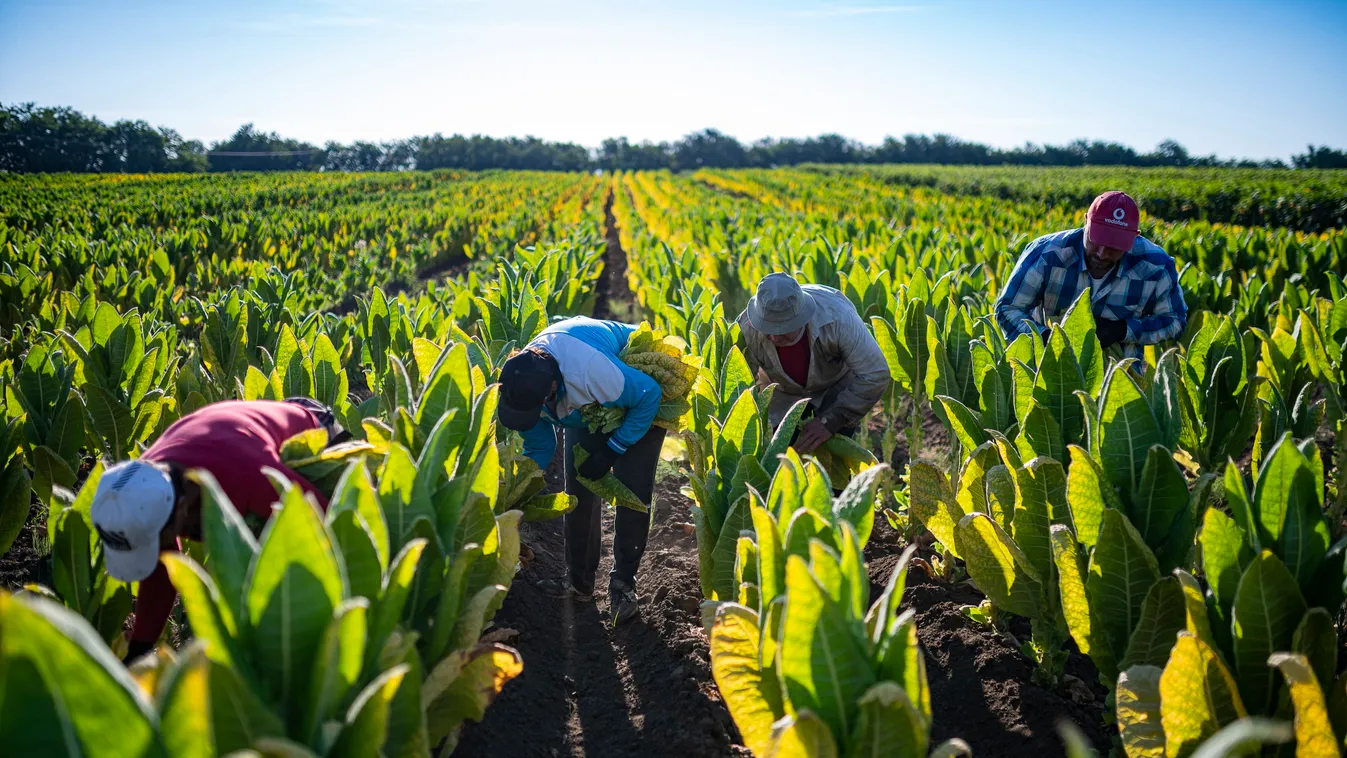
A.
pixel 232 440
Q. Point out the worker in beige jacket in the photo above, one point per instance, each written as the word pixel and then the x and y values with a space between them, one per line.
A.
pixel 810 341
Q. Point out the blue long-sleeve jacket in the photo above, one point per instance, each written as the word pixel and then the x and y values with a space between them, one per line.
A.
pixel 586 351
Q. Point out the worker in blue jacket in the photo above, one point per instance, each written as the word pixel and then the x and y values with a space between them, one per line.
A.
pixel 569 365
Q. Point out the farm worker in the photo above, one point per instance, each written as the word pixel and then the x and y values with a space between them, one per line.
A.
pixel 811 342
pixel 1134 287
pixel 570 364
pixel 146 505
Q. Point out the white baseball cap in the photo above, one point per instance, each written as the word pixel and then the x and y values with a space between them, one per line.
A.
pixel 132 504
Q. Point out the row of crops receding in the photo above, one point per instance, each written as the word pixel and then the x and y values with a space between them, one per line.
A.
pixel 1182 526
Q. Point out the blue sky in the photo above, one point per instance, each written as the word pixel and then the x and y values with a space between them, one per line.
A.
pixel 1234 78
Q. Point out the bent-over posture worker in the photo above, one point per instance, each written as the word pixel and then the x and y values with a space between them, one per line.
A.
pixel 810 340
pixel 569 365
pixel 147 505
pixel 1134 287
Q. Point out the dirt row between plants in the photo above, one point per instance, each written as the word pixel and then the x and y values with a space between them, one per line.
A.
pixel 613 299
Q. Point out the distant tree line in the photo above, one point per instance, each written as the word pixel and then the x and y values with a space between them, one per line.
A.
pixel 36 139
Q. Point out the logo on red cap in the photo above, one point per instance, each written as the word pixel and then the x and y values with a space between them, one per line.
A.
pixel 1113 220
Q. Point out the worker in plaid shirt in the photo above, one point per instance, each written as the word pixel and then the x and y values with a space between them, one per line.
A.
pixel 1134 288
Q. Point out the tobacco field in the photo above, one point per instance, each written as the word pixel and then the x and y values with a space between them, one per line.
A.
pixel 1039 551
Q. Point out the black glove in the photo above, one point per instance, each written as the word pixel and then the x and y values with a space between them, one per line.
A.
pixel 136 649
pixel 600 460
pixel 1109 331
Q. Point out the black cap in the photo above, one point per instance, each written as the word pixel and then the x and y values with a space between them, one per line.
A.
pixel 525 382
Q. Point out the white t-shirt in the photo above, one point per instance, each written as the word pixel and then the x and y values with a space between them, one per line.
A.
pixel 1097 285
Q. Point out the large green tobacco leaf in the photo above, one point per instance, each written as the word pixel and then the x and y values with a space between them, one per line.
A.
pixel 337 665
pixel 1081 614
pixel 781 439
pixel 1245 737
pixel 295 584
pixel 889 724
pixel 735 641
pixel 1164 394
pixel 994 392
pixel 396 589
pixel 1163 616
pixel 966 425
pixel 402 500
pixel 885 608
pixel 803 735
pixel 1122 570
pixel 1088 492
pixel 330 384
pixel 229 542
pixel 739 519
pixel 886 336
pixel 366 725
pixel 408 736
pixel 1197 618
pixel 1058 379
pixel 933 504
pixel 448 387
pixel 771 554
pixel 1317 640
pixel 998 567
pixel 1001 495
pixel 823 665
pixel 112 421
pixel 856 504
pixel 15 496
pixel 1241 506
pixel 1038 484
pixel 852 564
pixel 739 436
pixel 1287 503
pixel 1040 434
pixel 185 707
pixel 453 597
pixel 429 569
pixel 1078 326
pixel 64 693
pixel 1127 430
pixel 474 615
pixel 71 572
pixel 901 661
pixel 1138 712
pixel 1268 608
pixel 358 552
pixel 972 494
pixel 827 569
pixel 1225 555
pixel 1159 508
pixel 1197 696
pixel 212 621
pixel 464 685
pixel 1314 733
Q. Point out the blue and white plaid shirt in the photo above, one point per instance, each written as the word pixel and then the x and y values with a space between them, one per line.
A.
pixel 1142 290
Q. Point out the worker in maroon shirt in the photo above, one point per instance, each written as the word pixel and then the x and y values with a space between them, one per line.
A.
pixel 811 342
pixel 146 505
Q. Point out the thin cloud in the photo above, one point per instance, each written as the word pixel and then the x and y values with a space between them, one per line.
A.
pixel 839 11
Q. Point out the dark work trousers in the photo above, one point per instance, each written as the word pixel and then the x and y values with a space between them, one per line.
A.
pixel 584 529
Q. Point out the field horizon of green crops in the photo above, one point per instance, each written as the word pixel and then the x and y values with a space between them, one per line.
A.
pixel 1181 526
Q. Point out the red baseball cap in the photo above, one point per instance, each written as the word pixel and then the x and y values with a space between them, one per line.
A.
pixel 1112 221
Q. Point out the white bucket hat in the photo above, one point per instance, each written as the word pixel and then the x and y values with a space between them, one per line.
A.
pixel 781 305
pixel 132 504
